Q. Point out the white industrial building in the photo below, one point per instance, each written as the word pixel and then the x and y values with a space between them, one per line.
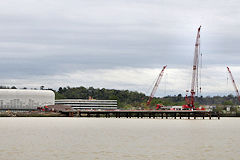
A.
pixel 87 104
pixel 16 99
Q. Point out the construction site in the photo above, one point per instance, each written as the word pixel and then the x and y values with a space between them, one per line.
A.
pixel 189 109
pixel 18 101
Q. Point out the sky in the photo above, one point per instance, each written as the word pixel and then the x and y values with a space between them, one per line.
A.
pixel 119 44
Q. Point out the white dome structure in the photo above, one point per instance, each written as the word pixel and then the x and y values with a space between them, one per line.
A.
pixel 18 99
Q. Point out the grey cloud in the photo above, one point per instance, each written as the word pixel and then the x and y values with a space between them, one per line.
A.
pixel 41 38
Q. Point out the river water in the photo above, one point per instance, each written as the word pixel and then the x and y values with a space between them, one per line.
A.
pixel 110 139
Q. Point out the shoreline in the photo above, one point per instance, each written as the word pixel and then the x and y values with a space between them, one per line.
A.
pixel 57 114
pixel 31 114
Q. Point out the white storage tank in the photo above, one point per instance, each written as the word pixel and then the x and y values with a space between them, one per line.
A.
pixel 25 99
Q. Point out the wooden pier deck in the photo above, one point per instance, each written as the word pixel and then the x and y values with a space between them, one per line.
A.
pixel 163 114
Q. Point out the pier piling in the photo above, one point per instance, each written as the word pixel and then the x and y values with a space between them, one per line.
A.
pixel 143 113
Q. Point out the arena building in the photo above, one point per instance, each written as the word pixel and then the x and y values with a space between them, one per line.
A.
pixel 17 99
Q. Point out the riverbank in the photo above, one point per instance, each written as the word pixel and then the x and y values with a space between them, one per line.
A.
pixel 57 114
pixel 30 114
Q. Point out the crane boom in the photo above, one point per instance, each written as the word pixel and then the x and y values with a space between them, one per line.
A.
pixel 156 85
pixel 234 84
pixel 195 61
pixel 195 70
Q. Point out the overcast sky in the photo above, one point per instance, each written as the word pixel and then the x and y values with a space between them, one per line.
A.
pixel 120 44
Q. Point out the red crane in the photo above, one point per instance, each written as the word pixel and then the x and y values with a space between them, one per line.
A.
pixel 156 85
pixel 234 84
pixel 190 103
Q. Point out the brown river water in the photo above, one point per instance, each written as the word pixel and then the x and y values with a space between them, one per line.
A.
pixel 111 138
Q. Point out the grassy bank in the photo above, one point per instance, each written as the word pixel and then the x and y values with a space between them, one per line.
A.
pixel 30 114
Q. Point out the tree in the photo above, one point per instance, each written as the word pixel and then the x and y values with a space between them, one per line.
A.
pixel 228 103
pixel 179 97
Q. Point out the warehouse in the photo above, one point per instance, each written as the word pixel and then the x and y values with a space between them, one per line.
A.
pixel 86 104
pixel 17 99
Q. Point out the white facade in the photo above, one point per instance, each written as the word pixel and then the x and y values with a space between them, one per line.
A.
pixel 88 104
pixel 25 99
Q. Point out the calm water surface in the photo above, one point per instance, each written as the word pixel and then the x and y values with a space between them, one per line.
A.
pixel 109 139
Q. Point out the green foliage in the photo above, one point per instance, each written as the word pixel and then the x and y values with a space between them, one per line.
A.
pixel 135 100
pixel 219 108
pixel 59 95
pixel 228 102
pixel 126 99
pixel 7 87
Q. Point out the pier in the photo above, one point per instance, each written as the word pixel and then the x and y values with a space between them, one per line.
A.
pixel 163 114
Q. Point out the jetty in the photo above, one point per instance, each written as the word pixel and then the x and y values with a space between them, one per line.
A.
pixel 163 114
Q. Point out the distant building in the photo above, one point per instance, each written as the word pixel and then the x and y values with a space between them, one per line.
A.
pixel 17 99
pixel 171 107
pixel 209 108
pixel 88 104
pixel 177 107
pixel 228 108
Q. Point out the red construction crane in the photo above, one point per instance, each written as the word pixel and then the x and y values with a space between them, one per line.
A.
pixel 234 84
pixel 190 103
pixel 156 85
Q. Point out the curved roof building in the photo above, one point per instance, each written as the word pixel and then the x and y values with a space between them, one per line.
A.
pixel 25 99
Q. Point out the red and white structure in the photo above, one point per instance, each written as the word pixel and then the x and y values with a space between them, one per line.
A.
pixel 234 84
pixel 194 84
pixel 156 86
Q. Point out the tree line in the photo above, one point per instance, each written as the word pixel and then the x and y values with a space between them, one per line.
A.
pixel 133 99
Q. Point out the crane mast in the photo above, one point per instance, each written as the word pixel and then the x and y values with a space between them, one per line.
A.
pixel 234 84
pixel 156 85
pixel 195 70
